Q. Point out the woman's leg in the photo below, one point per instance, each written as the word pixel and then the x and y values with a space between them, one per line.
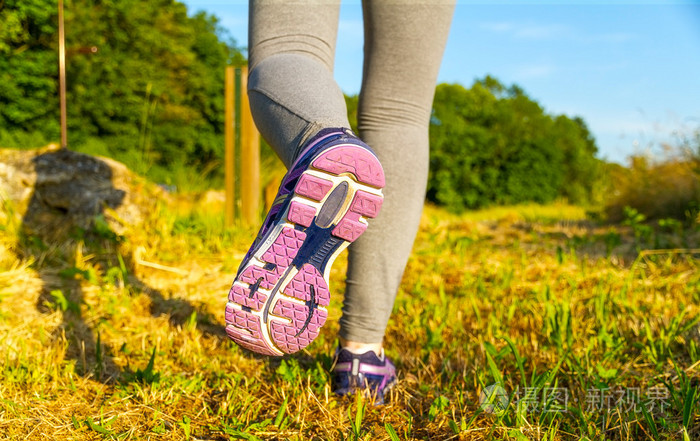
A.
pixel 291 88
pixel 277 303
pixel 404 42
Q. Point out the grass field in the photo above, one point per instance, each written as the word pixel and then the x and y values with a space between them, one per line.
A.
pixel 588 336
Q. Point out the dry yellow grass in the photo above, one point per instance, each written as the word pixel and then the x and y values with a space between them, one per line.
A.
pixel 81 316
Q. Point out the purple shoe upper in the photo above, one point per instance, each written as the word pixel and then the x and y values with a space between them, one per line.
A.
pixel 289 182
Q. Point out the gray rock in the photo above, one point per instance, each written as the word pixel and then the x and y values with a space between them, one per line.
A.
pixel 54 189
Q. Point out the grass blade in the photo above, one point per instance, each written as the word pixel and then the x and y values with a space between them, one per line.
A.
pixel 495 372
pixel 688 406
pixel 359 415
pixel 650 421
pixel 518 358
pixel 453 426
pixel 391 432
pixel 280 413
pixel 97 428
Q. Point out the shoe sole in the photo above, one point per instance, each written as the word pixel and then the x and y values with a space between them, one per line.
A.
pixel 277 304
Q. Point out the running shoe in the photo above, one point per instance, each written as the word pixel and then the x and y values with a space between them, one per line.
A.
pixel 369 373
pixel 279 299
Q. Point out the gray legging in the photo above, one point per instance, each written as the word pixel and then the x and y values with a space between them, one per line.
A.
pixel 293 95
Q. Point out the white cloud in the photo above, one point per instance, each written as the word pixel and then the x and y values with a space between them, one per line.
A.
pixel 528 31
pixel 640 129
pixel 534 71
pixel 605 68
pixel 496 26
pixel 542 32
pixel 611 37
pixel 551 31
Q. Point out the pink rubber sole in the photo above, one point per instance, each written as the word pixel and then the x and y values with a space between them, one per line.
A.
pixel 275 307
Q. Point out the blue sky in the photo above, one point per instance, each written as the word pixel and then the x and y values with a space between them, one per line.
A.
pixel 631 69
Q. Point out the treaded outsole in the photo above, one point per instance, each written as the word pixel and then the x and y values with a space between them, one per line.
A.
pixel 277 304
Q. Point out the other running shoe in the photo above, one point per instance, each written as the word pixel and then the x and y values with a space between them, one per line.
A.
pixel 368 373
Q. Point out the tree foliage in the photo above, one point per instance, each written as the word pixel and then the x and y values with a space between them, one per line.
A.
pixel 28 66
pixel 493 144
pixel 152 94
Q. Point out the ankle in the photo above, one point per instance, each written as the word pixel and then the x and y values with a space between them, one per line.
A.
pixel 361 348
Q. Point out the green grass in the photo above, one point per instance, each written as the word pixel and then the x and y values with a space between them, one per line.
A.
pixel 589 339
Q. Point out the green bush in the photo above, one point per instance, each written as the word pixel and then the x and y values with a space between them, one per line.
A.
pixel 667 186
pixel 492 144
